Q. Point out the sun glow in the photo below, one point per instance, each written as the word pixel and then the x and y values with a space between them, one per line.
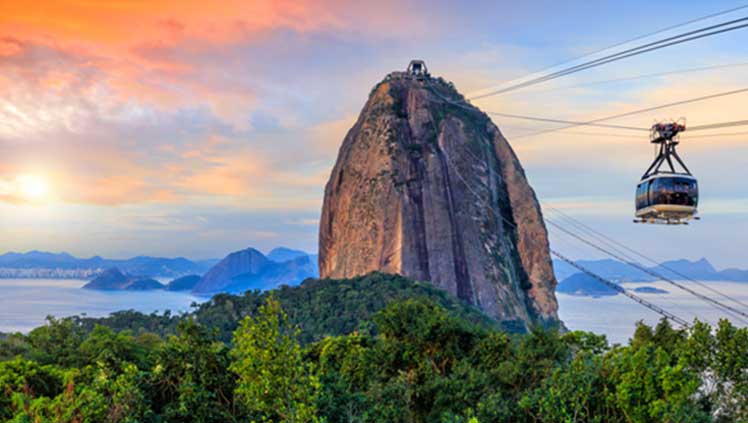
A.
pixel 33 187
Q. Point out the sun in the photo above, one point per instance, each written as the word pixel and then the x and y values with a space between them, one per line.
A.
pixel 33 187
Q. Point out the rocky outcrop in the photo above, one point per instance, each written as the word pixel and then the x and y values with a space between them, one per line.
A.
pixel 426 186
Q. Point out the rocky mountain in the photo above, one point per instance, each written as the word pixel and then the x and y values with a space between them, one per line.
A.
pixel 40 264
pixel 249 269
pixel 426 186
pixel 114 280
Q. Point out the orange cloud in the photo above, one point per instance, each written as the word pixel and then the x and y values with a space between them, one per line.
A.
pixel 120 22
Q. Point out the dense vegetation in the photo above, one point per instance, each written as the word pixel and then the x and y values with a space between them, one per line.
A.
pixel 318 307
pixel 420 359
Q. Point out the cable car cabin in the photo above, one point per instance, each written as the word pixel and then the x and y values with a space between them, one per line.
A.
pixel 669 196
pixel 664 198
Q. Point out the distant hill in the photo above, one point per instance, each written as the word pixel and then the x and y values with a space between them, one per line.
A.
pixel 114 280
pixel 614 270
pixel 249 269
pixel 185 283
pixel 584 285
pixel 700 269
pixel 577 283
pixel 618 271
pixel 735 275
pixel 649 290
pixel 281 254
pixel 39 264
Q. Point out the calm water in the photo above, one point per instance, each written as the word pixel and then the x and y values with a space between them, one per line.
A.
pixel 25 303
pixel 616 316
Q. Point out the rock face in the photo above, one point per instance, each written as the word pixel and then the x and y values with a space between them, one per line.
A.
pixel 427 187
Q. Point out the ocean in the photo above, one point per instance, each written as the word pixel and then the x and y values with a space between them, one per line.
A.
pixel 616 316
pixel 25 303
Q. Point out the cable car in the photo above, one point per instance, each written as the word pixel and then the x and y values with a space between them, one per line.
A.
pixel 668 195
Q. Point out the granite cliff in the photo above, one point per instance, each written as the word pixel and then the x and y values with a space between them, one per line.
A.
pixel 426 186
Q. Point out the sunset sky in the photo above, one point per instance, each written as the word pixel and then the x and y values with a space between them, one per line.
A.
pixel 193 128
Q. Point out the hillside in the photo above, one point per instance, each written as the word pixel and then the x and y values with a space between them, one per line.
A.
pixel 320 307
pixel 397 348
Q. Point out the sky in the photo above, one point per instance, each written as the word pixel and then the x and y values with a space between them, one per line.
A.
pixel 182 128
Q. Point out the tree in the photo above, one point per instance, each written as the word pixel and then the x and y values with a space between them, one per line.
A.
pixel 191 379
pixel 56 342
pixel 274 382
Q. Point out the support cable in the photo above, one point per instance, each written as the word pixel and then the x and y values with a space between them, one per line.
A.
pixel 610 241
pixel 656 45
pixel 637 38
pixel 613 285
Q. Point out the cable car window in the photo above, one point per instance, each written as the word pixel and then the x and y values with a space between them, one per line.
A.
pixel 675 191
pixel 686 191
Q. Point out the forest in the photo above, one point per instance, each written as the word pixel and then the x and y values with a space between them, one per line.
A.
pixel 378 348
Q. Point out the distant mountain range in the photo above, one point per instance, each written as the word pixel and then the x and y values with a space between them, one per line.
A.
pixel 40 264
pixel 572 281
pixel 249 269
pixel 240 271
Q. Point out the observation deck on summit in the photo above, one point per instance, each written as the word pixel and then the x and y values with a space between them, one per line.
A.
pixel 416 70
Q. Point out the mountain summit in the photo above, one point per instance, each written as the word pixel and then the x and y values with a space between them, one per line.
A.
pixel 426 186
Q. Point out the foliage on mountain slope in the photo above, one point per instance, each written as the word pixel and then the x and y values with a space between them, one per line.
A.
pixel 416 360
pixel 320 307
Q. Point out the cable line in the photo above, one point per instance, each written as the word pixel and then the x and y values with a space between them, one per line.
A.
pixel 625 259
pixel 638 111
pixel 685 134
pixel 570 122
pixel 730 310
pixel 637 38
pixel 656 45
pixel 613 285
pixel 622 290
pixel 718 125
pixel 714 302
pixel 641 76
pixel 597 277
pixel 721 134
pixel 610 240
pixel 595 122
